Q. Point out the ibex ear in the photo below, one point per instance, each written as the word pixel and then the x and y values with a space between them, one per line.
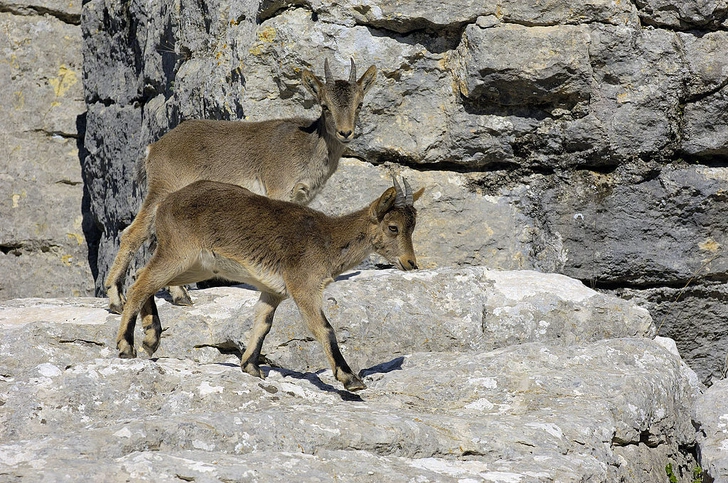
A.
pixel 418 194
pixel 384 204
pixel 366 81
pixel 312 83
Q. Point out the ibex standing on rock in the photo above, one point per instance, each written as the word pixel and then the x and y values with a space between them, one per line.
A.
pixel 210 229
pixel 286 159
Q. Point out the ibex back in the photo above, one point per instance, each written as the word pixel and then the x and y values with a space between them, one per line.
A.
pixel 286 159
pixel 210 229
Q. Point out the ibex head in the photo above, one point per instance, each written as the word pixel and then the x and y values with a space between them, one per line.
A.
pixel 340 100
pixel 395 216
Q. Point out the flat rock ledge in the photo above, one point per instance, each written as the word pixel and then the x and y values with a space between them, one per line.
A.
pixel 472 374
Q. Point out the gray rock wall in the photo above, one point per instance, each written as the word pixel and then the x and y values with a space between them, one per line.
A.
pixel 44 235
pixel 588 140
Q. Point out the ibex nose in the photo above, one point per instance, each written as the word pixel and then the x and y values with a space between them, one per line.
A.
pixel 345 134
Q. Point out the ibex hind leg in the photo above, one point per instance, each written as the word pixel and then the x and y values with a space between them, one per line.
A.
pixel 264 310
pixel 125 336
pixel 152 326
pixel 324 333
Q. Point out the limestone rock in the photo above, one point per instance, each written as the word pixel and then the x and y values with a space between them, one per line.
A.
pixel 565 405
pixel 710 414
pixel 683 15
pixel 43 234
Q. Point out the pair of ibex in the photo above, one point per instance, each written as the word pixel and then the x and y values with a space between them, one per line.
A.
pixel 201 182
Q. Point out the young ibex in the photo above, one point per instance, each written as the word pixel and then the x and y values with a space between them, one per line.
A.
pixel 210 229
pixel 286 159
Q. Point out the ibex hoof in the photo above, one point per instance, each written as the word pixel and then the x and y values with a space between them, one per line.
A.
pixel 180 296
pixel 116 300
pixel 150 348
pixel 253 370
pixel 126 351
pixel 354 384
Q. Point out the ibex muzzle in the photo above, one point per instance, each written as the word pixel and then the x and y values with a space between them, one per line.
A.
pixel 286 159
pixel 210 229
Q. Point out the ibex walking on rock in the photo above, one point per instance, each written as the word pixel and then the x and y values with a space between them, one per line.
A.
pixel 286 159
pixel 210 229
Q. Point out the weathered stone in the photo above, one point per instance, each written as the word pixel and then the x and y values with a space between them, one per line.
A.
pixel 706 126
pixel 659 227
pixel 68 11
pixel 707 61
pixel 604 410
pixel 555 12
pixel 43 234
pixel 554 72
pixel 683 15
pixel 446 18
pixel 692 315
pixel 711 417
pixel 640 78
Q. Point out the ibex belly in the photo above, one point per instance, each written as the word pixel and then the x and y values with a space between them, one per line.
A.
pixel 213 265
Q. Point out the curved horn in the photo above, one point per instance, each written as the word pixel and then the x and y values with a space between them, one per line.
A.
pixel 400 199
pixel 327 72
pixel 352 73
pixel 408 195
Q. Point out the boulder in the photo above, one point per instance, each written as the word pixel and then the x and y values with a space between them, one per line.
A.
pixel 515 376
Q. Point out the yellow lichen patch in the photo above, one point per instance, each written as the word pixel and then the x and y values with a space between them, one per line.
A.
pixel 67 259
pixel 65 80
pixel 16 197
pixel 256 50
pixel 75 236
pixel 709 245
pixel 12 62
pixel 18 100
pixel 268 34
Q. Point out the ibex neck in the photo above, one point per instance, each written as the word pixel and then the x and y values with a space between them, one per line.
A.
pixel 352 241
pixel 335 147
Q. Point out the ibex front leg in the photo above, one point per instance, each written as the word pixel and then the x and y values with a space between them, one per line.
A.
pixel 158 272
pixel 265 309
pixel 310 308
pixel 131 239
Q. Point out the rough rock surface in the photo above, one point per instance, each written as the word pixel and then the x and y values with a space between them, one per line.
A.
pixel 711 416
pixel 43 242
pixel 561 384
pixel 588 139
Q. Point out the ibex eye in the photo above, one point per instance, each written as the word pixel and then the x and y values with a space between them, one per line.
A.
pixel 393 229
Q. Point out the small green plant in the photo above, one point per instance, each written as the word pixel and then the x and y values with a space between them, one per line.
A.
pixel 697 474
pixel 672 478
pixel 670 474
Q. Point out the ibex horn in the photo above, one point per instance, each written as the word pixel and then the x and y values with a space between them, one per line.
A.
pixel 327 72
pixel 352 73
pixel 408 195
pixel 401 199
